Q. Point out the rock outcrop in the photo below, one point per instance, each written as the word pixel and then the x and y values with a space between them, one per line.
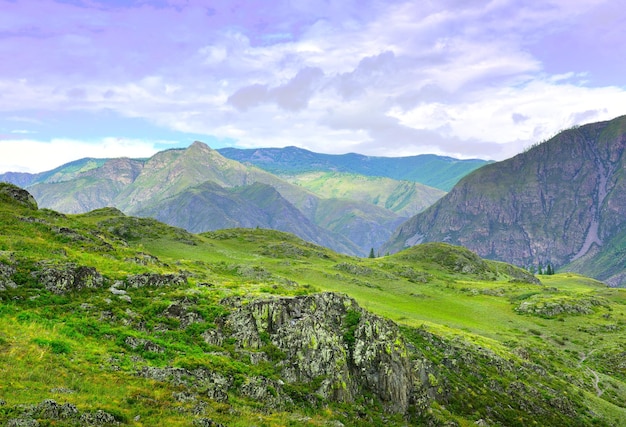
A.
pixel 327 340
pixel 14 194
pixel 65 278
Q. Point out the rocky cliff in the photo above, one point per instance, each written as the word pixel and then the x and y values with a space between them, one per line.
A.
pixel 556 203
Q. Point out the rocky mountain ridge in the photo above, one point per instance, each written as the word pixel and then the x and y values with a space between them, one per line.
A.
pixel 435 171
pixel 557 203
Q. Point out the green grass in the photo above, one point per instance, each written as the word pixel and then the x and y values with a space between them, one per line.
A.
pixel 451 305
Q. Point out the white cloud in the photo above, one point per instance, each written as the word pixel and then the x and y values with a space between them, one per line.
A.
pixel 384 78
pixel 40 156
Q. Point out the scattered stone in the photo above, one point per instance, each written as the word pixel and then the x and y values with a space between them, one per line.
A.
pixel 50 409
pixel 6 272
pixel 206 422
pixel 180 311
pixel 145 344
pixel 22 422
pixel 62 390
pixel 98 418
pixel 124 298
pixel 155 280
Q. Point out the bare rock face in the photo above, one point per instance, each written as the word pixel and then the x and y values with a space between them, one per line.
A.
pixel 328 340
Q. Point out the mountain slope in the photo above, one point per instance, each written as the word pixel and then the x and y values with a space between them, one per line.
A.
pixel 402 197
pixel 245 327
pixel 209 206
pixel 428 169
pixel 556 203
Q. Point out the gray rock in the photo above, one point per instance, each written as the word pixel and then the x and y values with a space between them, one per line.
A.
pixel 213 384
pixel 145 344
pixel 155 280
pixel 22 422
pixel 50 409
pixel 6 273
pixel 206 422
pixel 98 418
pixel 61 279
pixel 181 312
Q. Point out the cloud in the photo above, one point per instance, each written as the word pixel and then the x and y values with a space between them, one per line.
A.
pixel 293 95
pixel 469 78
pixel 28 155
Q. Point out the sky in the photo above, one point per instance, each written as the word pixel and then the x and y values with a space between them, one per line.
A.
pixel 461 78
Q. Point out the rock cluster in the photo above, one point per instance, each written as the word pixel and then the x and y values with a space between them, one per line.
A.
pixel 63 414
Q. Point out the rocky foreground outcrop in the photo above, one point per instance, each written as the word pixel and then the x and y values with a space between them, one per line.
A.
pixel 325 347
pixel 328 336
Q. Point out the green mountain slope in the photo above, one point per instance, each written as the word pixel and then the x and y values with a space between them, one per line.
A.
pixel 556 203
pixel 402 197
pixel 208 206
pixel 107 319
pixel 428 169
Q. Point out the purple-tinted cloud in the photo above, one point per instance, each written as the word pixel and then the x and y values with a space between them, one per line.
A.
pixel 468 78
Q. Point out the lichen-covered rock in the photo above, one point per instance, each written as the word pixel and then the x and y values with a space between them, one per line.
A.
pixel 179 310
pixel 144 344
pixel 556 306
pixel 155 280
pixel 68 277
pixel 6 272
pixel 50 409
pixel 213 384
pixel 206 422
pixel 22 422
pixel 98 418
pixel 328 337
pixel 265 390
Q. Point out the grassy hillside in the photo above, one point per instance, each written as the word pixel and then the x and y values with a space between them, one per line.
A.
pixel 107 319
pixel 402 197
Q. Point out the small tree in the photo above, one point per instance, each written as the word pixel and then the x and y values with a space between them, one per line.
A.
pixel 372 253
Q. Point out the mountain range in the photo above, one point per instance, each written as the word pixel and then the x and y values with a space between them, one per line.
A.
pixel 434 171
pixel 199 189
pixel 558 204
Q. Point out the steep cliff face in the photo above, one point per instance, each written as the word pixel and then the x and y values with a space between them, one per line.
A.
pixel 554 203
